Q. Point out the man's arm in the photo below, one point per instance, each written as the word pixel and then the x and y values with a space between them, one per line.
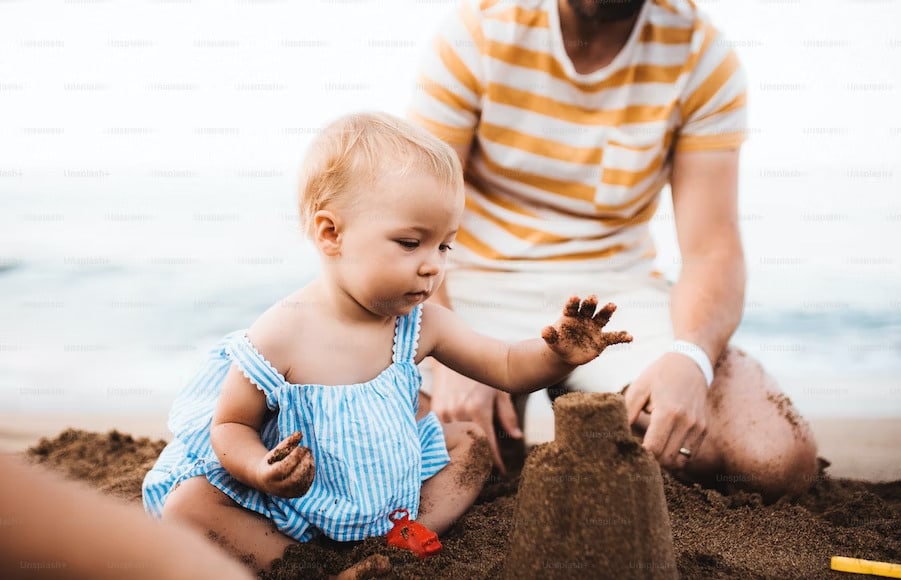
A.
pixel 705 306
pixel 707 300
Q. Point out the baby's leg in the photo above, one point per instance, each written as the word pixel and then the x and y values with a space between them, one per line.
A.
pixel 247 535
pixel 451 491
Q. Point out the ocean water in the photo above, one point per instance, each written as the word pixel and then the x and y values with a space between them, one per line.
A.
pixel 109 302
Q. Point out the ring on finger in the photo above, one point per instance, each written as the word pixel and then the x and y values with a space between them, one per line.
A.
pixel 685 451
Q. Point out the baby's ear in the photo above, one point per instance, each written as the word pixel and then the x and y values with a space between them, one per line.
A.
pixel 326 232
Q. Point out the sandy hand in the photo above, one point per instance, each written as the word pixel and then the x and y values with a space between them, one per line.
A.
pixel 579 337
pixel 288 470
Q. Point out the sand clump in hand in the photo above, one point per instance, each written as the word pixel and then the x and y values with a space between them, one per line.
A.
pixel 591 502
pixel 715 535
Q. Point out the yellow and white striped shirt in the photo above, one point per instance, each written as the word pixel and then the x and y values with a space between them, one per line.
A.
pixel 565 169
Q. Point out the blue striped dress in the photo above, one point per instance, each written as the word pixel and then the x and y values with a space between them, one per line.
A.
pixel 371 454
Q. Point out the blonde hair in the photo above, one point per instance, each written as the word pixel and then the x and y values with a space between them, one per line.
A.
pixel 358 149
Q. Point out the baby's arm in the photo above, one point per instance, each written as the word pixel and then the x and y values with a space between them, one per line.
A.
pixel 286 471
pixel 575 339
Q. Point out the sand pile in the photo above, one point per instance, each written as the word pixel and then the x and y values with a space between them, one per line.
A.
pixel 592 500
pixel 715 535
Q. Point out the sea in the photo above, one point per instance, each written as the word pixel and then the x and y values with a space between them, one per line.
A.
pixel 110 301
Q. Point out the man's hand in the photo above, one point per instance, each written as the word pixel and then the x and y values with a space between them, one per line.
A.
pixel 674 392
pixel 288 470
pixel 578 336
pixel 459 398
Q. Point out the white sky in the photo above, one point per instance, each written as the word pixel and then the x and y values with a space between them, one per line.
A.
pixel 227 89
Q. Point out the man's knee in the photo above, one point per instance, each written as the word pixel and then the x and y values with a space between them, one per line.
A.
pixel 786 468
pixel 796 471
pixel 760 440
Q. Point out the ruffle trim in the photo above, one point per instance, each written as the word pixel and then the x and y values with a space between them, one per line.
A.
pixel 417 327
pixel 271 403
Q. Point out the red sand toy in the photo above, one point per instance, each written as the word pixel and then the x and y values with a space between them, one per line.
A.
pixel 412 536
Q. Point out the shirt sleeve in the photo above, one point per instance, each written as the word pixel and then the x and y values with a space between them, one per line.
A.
pixel 448 93
pixel 714 101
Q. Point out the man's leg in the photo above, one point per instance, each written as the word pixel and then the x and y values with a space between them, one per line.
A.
pixel 755 436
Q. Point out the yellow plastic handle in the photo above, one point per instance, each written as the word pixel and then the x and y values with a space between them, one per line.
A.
pixel 858 566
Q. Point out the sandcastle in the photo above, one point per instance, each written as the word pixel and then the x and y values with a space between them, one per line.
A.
pixel 591 503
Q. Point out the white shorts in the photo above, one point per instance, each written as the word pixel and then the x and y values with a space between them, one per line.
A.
pixel 513 306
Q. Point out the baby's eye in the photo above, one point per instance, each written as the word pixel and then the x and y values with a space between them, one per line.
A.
pixel 409 244
pixel 445 247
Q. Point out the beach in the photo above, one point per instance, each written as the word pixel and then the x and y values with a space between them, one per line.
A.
pixel 722 533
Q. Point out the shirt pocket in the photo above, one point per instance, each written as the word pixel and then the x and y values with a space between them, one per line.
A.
pixel 633 161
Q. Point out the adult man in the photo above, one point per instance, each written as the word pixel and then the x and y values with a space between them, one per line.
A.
pixel 570 116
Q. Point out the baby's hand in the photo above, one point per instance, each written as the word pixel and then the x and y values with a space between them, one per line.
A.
pixel 287 470
pixel 579 337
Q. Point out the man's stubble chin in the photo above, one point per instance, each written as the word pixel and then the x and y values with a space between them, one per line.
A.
pixel 605 11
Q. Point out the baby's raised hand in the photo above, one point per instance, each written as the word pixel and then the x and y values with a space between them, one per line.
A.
pixel 287 470
pixel 579 337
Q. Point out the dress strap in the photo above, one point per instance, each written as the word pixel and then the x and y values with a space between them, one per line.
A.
pixel 406 335
pixel 254 366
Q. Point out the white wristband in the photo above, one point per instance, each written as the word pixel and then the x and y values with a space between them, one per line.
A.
pixel 697 354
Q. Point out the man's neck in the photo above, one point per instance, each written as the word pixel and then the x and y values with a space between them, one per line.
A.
pixel 591 45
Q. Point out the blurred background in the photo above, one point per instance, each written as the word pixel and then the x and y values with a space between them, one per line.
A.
pixel 149 153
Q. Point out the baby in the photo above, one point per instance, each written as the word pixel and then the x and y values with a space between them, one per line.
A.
pixel 335 363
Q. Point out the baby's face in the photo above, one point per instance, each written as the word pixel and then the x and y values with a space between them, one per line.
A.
pixel 396 241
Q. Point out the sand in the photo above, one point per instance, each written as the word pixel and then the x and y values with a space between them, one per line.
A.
pixel 715 535
pixel 594 496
